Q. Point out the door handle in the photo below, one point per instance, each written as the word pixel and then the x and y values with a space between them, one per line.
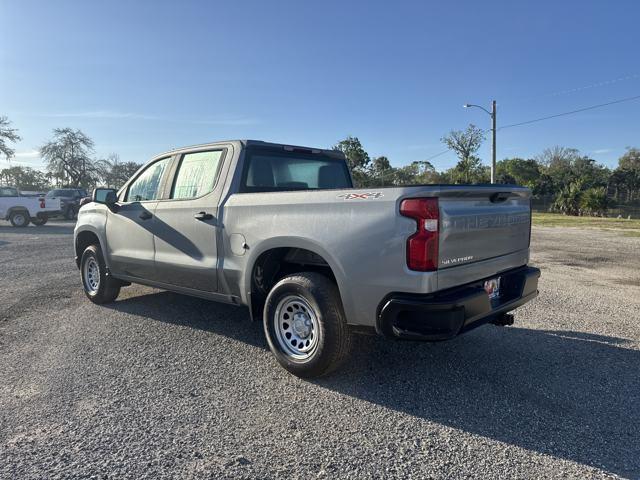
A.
pixel 202 216
pixel 145 215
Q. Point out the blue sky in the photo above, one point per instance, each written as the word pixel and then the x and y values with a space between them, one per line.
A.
pixel 141 77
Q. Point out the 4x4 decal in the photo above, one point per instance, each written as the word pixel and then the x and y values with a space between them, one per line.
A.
pixel 361 196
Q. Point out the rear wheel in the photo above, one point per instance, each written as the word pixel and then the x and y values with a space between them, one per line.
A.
pixel 98 286
pixel 19 218
pixel 305 325
pixel 38 221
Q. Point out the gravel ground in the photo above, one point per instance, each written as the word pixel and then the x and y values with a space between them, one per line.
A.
pixel 161 385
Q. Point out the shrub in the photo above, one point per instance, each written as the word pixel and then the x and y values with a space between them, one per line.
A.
pixel 568 199
pixel 594 201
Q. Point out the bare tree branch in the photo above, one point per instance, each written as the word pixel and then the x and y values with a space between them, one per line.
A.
pixel 68 155
pixel 7 134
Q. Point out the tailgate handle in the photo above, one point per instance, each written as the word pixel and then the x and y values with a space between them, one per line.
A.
pixel 499 197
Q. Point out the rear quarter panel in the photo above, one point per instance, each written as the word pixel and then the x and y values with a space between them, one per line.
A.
pixel 29 203
pixel 361 237
pixel 362 240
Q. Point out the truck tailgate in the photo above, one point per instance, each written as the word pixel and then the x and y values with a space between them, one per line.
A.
pixel 49 205
pixel 483 222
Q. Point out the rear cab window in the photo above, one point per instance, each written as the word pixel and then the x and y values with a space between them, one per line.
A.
pixel 9 192
pixel 59 193
pixel 274 170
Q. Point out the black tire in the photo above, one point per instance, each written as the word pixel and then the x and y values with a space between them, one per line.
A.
pixel 70 213
pixel 107 288
pixel 39 221
pixel 19 218
pixel 333 336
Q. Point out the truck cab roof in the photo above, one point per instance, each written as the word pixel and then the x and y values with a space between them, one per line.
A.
pixel 247 143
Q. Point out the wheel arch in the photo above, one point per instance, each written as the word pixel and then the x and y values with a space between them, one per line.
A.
pixel 13 210
pixel 83 239
pixel 278 257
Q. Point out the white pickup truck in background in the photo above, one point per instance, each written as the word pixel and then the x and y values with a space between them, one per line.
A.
pixel 20 209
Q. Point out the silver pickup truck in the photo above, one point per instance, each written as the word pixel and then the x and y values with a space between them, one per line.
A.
pixel 281 230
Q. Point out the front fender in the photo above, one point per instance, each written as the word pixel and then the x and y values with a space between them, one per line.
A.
pixel 92 218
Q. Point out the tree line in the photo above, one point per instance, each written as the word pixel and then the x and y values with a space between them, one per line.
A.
pixel 70 162
pixel 575 183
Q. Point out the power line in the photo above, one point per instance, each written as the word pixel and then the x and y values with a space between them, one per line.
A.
pixel 583 87
pixel 593 85
pixel 628 99
pixel 437 155
pixel 591 107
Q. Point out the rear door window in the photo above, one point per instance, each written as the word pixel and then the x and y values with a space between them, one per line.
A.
pixel 197 174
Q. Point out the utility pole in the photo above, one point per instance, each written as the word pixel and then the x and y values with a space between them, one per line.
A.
pixel 493 142
pixel 492 114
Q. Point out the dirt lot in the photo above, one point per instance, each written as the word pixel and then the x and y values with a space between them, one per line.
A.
pixel 161 385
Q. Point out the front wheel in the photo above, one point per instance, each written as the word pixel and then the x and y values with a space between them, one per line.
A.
pixel 98 286
pixel 305 326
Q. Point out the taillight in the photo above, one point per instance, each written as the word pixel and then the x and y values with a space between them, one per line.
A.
pixel 42 203
pixel 422 246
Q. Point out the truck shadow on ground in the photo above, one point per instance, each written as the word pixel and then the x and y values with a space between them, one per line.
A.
pixel 571 395
pixel 173 308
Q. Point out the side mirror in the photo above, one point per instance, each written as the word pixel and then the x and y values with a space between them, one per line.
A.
pixel 106 196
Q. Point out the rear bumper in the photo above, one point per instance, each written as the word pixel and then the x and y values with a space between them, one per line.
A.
pixel 445 314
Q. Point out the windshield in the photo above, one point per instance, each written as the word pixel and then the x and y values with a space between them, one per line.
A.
pixel 269 170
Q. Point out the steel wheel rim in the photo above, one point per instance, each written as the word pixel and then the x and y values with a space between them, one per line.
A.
pixel 91 275
pixel 296 327
pixel 19 218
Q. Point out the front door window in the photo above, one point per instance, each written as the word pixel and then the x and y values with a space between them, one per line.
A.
pixel 147 185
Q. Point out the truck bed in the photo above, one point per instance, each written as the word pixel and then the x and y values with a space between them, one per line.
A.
pixel 483 230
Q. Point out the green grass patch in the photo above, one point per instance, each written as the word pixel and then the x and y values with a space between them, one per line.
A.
pixel 631 227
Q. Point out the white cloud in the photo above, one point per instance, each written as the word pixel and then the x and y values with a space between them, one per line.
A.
pixel 227 121
pixel 26 158
pixel 116 115
pixel 99 114
pixel 26 155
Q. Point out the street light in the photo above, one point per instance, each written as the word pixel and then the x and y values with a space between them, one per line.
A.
pixel 492 114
